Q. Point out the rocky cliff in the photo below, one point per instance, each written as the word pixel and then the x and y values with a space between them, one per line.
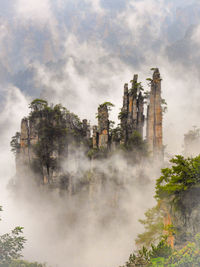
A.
pixel 51 135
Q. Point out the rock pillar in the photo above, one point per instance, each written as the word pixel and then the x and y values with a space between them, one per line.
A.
pixel 154 117
pixel 132 112
pixel 103 126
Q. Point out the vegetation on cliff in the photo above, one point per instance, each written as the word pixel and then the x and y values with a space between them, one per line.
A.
pixel 171 236
pixel 46 136
pixel 177 190
pixel 182 176
pixel 163 255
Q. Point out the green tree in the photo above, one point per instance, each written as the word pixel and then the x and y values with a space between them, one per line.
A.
pixel 11 245
pixel 15 143
pixel 155 256
pixel 38 104
pixel 140 258
pixel 153 225
pixel 56 128
pixel 107 104
pixel 175 181
pixel 162 250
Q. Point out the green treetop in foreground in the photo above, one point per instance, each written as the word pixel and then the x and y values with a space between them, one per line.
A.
pixel 11 246
pixel 177 181
pixel 182 176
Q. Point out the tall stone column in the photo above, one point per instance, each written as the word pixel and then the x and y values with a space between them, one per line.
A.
pixel 86 129
pixel 132 107
pixel 124 114
pixel 140 114
pixel 154 117
pixel 25 140
pixel 132 112
pixel 95 137
pixel 103 126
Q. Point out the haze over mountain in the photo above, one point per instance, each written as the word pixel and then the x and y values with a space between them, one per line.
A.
pixel 81 52
pixel 65 51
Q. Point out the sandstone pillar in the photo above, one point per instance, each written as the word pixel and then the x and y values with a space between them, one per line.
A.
pixel 154 117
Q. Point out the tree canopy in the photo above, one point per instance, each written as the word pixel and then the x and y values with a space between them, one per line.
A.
pixel 11 245
pixel 183 175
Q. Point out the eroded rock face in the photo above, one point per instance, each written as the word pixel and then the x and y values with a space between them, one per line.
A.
pixel 103 126
pixel 132 119
pixel 45 138
pixel 186 216
pixel 101 135
pixel 95 137
pixel 49 133
pixel 154 118
pixel 132 112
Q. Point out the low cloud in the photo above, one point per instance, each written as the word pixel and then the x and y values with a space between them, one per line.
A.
pixel 80 54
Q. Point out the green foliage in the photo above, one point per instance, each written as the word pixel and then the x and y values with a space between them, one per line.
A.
pixel 172 187
pixel 141 258
pixel 107 104
pixel 38 104
pixel 163 255
pixel 187 256
pixel 157 262
pixel 149 81
pixel 11 245
pixel 197 240
pixel 97 116
pixel 56 128
pixel 136 87
pixel 153 257
pixel 153 224
pixel 116 134
pixel 162 250
pixel 164 105
pixel 175 181
pixel 92 153
pixel 15 143
pixel 146 94
pixel 136 143
pixel 22 263
pixel 122 115
pixel 135 149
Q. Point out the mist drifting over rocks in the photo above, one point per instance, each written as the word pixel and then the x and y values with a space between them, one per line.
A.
pixel 80 54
